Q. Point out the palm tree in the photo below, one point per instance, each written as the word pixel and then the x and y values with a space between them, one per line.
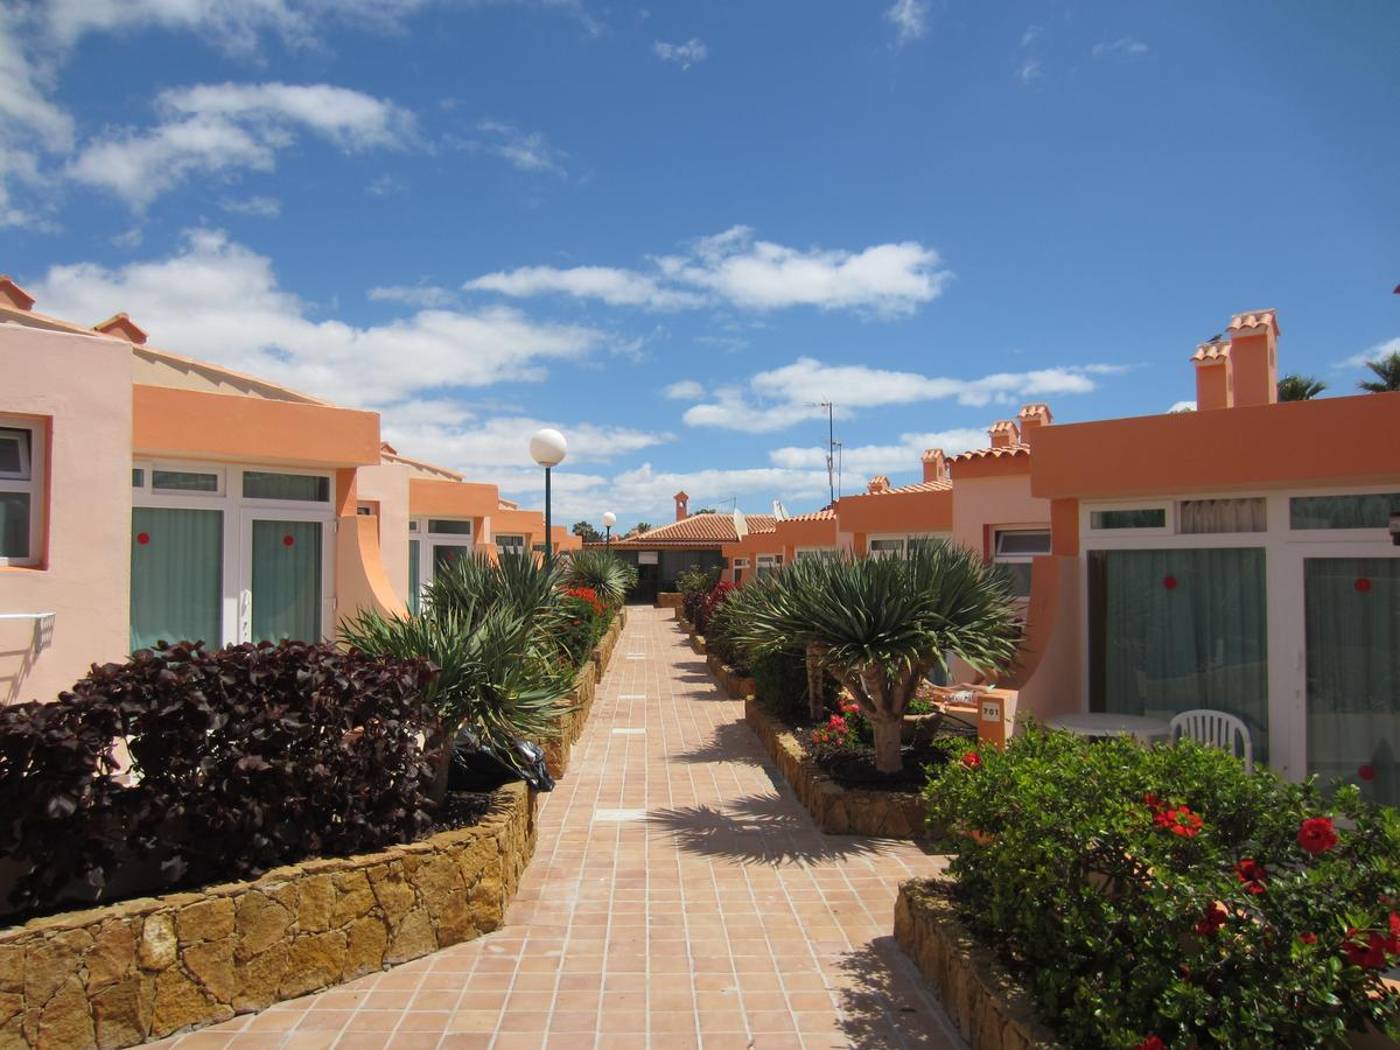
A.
pixel 880 625
pixel 1387 370
pixel 1299 388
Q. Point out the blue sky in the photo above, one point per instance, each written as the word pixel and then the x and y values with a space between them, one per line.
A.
pixel 667 229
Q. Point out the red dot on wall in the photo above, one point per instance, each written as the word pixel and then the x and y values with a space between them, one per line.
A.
pixel 1362 584
pixel 288 540
pixel 143 538
pixel 1367 772
pixel 1169 582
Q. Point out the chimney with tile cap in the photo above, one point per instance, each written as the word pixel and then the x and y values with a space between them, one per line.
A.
pixel 935 465
pixel 1004 434
pixel 879 483
pixel 1033 416
pixel 682 506
pixel 1214 382
pixel 13 295
pixel 1254 358
pixel 123 327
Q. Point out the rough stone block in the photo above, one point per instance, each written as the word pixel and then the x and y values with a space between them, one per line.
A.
pixel 261 922
pixel 206 920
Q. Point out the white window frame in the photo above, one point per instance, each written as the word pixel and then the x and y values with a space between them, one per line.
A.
pixel 998 558
pixel 1285 550
pixel 236 570
pixel 517 546
pixel 904 539
pixel 766 563
pixel 30 479
pixel 799 552
pixel 1168 528
pixel 427 557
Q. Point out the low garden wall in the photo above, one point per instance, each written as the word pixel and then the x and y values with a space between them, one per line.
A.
pixel 669 600
pixel 141 969
pixel 558 750
pixel 836 809
pixel 988 1007
pixel 739 687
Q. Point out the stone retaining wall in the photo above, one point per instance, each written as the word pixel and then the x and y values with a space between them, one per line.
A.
pixel 669 600
pixel 838 810
pixel 558 750
pixel 988 1006
pixel 739 687
pixel 141 969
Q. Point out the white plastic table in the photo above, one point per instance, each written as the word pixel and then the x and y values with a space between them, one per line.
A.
pixel 1098 723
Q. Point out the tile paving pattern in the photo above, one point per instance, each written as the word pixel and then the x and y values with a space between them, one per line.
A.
pixel 679 898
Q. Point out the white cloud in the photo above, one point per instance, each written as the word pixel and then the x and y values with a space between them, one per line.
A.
pixel 458 440
pixel 1031 35
pixel 1380 350
pixel 1029 70
pixel 883 459
pixel 217 300
pixel 685 390
pixel 732 267
pixel 1183 406
pixel 215 128
pixel 612 285
pixel 524 150
pixel 413 294
pixel 1123 47
pixel 684 55
pixel 780 397
pixel 910 19
pixel 261 207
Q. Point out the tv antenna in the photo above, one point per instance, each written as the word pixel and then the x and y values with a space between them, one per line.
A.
pixel 830 444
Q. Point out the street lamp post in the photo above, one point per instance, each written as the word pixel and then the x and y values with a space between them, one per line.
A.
pixel 609 520
pixel 548 448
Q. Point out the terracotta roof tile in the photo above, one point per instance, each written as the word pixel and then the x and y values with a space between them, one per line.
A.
pixel 1254 319
pixel 825 514
pixel 918 486
pixel 702 529
pixel 993 453
pixel 1215 350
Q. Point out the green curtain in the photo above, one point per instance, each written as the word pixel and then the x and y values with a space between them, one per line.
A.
pixel 177 559
pixel 413 596
pixel 262 485
pixel 1353 649
pixel 445 555
pixel 286 581
pixel 14 524
pixel 1180 629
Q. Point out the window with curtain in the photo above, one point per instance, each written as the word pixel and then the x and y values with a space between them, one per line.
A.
pixel 450 526
pixel 1222 515
pixel 286 581
pixel 1343 512
pixel 177 559
pixel 1352 612
pixel 184 481
pixel 1172 630
pixel 1144 518
pixel 887 548
pixel 413 585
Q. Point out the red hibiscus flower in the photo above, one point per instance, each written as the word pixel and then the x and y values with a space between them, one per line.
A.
pixel 1317 835
pixel 1153 802
pixel 1308 938
pixel 1180 821
pixel 1214 918
pixel 1370 954
pixel 1251 874
pixel 972 760
pixel 1152 1042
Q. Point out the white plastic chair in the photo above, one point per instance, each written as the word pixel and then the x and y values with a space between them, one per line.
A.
pixel 1215 729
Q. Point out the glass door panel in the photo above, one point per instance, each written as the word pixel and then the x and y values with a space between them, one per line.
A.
pixel 177 561
pixel 1172 630
pixel 1352 611
pixel 415 586
pixel 446 555
pixel 286 580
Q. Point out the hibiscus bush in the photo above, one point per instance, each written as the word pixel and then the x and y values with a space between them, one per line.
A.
pixel 1163 899
pixel 584 617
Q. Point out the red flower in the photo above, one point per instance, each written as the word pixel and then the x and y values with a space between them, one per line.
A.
pixel 1308 938
pixel 1369 954
pixel 1152 1042
pixel 1153 802
pixel 837 723
pixel 1252 874
pixel 1214 918
pixel 1180 821
pixel 972 760
pixel 1317 835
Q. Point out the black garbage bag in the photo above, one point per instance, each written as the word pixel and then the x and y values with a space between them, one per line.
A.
pixel 477 767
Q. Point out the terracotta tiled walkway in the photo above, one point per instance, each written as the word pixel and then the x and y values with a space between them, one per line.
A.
pixel 679 898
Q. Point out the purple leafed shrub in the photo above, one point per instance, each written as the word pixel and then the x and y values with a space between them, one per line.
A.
pixel 241 759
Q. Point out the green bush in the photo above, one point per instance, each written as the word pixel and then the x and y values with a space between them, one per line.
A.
pixel 1163 898
pixel 780 684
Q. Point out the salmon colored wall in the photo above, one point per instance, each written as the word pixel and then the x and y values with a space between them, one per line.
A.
pixel 78 383
pixel 1328 441
pixel 896 512
pixel 1064 526
pixel 979 504
pixel 360 579
pixel 1049 671
pixel 452 499
pixel 527 523
pixel 813 532
pixel 1212 385
pixel 387 484
pixel 190 424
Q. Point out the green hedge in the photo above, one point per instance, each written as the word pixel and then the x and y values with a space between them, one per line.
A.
pixel 1163 898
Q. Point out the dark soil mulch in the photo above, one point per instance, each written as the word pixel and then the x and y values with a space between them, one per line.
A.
pixel 855 768
pixel 459 809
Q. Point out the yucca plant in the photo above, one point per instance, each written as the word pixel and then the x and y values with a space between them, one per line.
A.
pixel 605 572
pixel 879 626
pixel 489 629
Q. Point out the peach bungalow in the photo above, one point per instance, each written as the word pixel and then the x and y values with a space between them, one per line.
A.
pixel 1240 557
pixel 200 504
